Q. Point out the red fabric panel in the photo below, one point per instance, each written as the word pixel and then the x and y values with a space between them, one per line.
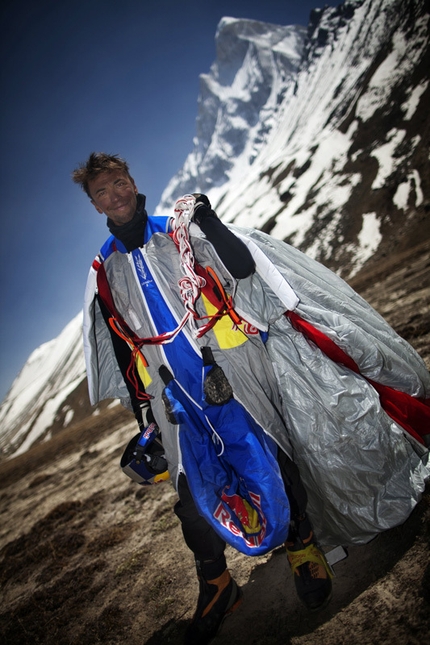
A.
pixel 411 413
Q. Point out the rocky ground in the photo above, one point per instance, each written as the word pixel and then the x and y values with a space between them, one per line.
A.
pixel 89 557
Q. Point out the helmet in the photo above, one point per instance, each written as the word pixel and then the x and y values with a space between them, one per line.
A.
pixel 143 459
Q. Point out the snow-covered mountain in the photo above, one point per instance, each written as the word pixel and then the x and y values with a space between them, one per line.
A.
pixel 333 156
pixel 238 104
pixel 37 398
pixel 319 136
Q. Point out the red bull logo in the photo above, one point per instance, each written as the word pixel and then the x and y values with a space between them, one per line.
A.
pixel 149 430
pixel 251 518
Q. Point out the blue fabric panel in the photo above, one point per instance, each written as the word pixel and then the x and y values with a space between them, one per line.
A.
pixel 153 225
pixel 224 451
pixel 237 460
pixel 156 225
pixel 182 357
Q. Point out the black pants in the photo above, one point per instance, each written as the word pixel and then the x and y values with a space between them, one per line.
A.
pixel 207 546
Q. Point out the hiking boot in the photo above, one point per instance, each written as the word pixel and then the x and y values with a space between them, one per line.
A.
pixel 218 598
pixel 312 573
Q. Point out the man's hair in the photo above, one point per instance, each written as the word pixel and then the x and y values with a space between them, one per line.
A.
pixel 98 162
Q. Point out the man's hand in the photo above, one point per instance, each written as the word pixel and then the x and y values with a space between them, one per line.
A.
pixel 202 208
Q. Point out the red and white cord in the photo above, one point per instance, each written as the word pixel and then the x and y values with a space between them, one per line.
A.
pixel 191 284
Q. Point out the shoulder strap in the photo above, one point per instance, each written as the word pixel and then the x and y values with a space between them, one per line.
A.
pixel 121 329
pixel 106 296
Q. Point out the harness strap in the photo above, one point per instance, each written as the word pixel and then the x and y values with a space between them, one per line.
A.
pixel 105 294
pixel 120 327
pixel 228 301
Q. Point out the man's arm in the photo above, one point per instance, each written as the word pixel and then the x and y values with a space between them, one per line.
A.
pixel 232 251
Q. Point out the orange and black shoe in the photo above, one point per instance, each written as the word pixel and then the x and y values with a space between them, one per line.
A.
pixel 218 598
pixel 312 573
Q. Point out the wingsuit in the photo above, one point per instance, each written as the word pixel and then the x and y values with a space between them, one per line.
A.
pixel 293 366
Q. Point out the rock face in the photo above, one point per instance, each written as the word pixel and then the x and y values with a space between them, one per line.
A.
pixel 319 136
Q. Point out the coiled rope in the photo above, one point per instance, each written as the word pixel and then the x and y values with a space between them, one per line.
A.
pixel 190 284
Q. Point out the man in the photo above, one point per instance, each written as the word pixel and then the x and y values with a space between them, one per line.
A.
pixel 133 301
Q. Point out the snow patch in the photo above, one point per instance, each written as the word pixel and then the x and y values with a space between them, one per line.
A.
pixel 385 157
pixel 393 69
pixel 68 417
pixel 411 104
pixel 413 182
pixel 369 239
pixel 46 417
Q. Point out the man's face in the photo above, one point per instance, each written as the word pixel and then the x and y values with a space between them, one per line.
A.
pixel 114 194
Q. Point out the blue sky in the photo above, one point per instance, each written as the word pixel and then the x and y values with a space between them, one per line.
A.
pixel 84 75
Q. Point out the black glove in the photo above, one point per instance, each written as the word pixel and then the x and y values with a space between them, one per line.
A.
pixel 202 208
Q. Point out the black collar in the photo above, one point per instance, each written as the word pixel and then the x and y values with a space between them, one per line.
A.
pixel 132 233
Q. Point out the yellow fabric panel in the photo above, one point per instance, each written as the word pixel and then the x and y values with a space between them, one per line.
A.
pixel 228 334
pixel 143 372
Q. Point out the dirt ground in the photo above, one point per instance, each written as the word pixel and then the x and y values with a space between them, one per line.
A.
pixel 87 556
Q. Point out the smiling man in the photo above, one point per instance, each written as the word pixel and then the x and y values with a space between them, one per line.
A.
pixel 132 300
pixel 212 410
pixel 114 193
